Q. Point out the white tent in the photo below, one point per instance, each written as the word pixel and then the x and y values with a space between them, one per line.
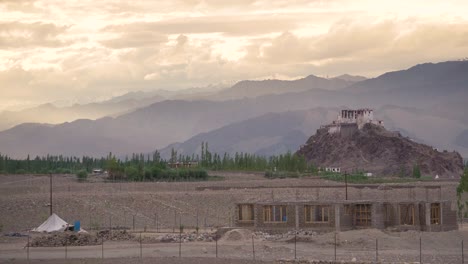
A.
pixel 52 224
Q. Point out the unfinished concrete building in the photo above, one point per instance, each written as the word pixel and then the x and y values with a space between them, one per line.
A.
pixel 347 215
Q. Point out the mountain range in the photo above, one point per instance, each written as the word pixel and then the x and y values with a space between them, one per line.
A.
pixel 425 103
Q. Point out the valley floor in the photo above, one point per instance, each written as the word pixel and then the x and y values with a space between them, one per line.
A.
pixel 162 206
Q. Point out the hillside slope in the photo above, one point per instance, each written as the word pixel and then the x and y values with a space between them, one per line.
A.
pixel 377 150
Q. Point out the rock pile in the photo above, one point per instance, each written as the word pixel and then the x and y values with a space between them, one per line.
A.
pixel 115 235
pixel 62 239
pixel 285 236
pixel 191 237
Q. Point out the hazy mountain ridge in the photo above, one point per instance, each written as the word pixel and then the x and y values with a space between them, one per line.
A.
pixel 272 133
pixel 162 123
pixel 249 88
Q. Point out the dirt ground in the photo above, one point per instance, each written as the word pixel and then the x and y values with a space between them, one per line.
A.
pixel 161 206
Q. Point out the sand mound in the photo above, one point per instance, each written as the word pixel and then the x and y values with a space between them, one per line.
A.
pixel 237 235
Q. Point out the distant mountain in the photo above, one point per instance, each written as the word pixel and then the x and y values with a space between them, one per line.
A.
pixel 350 78
pixel 269 134
pixel 437 79
pixel 462 139
pixel 49 113
pixel 436 117
pixel 276 133
pixel 252 89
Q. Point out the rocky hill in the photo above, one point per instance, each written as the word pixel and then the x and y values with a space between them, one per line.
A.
pixel 381 152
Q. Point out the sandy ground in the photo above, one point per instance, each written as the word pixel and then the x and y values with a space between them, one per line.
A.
pixel 24 204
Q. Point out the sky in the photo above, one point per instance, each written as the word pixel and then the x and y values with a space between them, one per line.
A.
pixel 82 51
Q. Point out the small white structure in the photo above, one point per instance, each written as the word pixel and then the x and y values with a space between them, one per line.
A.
pixel 98 171
pixel 368 174
pixel 53 224
pixel 333 169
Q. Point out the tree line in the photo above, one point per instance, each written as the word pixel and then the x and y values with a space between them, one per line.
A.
pixel 142 167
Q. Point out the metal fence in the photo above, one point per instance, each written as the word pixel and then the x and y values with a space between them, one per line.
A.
pixel 251 248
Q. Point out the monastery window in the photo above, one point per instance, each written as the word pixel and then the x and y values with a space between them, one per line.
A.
pixel 362 214
pixel 274 214
pixel 435 214
pixel 407 214
pixel 316 213
pixel 246 212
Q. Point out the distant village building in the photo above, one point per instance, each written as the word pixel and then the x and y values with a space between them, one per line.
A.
pixel 350 120
pixel 189 164
pixel 333 169
pixel 98 171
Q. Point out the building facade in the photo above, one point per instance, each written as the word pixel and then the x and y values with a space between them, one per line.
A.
pixel 347 215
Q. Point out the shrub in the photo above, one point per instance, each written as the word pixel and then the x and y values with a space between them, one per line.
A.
pixel 82 175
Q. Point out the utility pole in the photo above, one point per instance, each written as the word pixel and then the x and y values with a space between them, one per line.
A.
pixel 50 177
pixel 346 185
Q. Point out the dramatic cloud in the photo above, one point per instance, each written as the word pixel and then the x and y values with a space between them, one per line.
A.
pixel 18 35
pixel 87 50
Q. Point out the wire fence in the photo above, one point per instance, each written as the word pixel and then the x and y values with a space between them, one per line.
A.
pixel 253 248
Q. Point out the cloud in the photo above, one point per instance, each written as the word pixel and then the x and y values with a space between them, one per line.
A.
pixel 135 39
pixel 234 25
pixel 51 50
pixel 18 35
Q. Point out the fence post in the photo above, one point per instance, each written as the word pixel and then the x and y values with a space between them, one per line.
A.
pixel 28 247
pixel 141 248
pixel 66 247
pixel 335 246
pixel 295 240
pixel 420 250
pixel 253 247
pixel 197 227
pixel 180 237
pixel 376 250
pixel 155 222
pixel 175 221
pixel 463 255
pixel 216 240
pixel 102 248
pixel 110 225
pixel 133 222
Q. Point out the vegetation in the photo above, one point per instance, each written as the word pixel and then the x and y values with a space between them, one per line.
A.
pixel 148 167
pixel 416 171
pixel 461 188
pixel 82 175
pixel 359 177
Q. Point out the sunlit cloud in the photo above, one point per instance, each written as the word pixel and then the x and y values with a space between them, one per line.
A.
pixel 81 50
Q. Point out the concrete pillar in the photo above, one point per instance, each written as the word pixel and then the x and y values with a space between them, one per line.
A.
pixel 397 215
pixel 377 217
pixel 337 218
pixel 428 216
pixel 441 205
pixel 297 216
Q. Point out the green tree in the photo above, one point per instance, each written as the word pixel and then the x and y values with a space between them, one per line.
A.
pixel 416 171
pixel 461 188
pixel 82 175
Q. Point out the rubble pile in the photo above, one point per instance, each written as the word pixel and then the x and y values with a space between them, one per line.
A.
pixel 64 239
pixel 115 235
pixel 300 234
pixel 188 237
